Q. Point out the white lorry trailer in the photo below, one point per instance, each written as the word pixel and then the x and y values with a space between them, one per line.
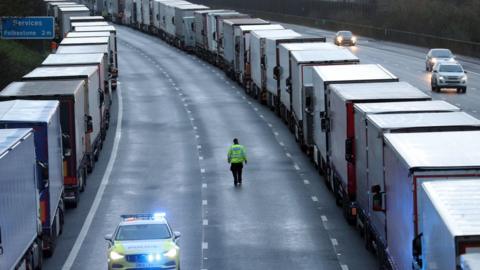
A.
pixel 340 100
pixel 260 40
pixel 184 25
pixel 412 159
pixel 71 95
pixel 20 227
pixel 93 90
pixel 242 65
pixel 323 77
pixel 450 228
pixel 283 69
pixel 300 88
pixel 228 43
pixel 64 17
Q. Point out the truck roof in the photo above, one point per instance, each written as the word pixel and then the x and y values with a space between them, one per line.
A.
pixel 328 54
pixel 109 28
pixel 85 40
pixel 39 111
pixel 437 150
pixel 10 137
pixel 191 7
pixel 457 203
pixel 308 46
pixel 67 72
pixel 470 261
pixel 86 18
pixel 103 48
pixel 403 106
pixel 254 27
pixel 429 119
pixel 361 72
pixel 39 88
pixel 272 34
pixel 73 59
pixel 88 34
pixel 378 91
pixel 73 9
pixel 246 21
pixel 96 23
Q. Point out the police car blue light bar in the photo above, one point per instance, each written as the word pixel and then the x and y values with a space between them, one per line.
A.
pixel 153 216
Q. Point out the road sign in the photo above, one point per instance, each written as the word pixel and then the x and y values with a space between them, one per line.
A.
pixel 27 28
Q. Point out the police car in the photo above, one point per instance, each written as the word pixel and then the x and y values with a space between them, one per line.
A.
pixel 143 241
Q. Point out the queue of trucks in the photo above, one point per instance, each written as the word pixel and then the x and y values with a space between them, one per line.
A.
pixel 53 124
pixel 405 169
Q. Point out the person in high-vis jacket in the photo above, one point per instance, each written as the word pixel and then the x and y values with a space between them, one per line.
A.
pixel 236 156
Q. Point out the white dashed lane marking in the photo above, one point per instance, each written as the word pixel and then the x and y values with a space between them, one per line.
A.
pixel 205 245
pixel 204 202
pixel 334 242
pixel 314 198
pixel 306 182
pixel 205 222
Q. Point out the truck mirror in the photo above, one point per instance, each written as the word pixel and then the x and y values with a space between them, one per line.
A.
pixel 324 123
pixel 101 96
pixel 43 172
pixel 67 147
pixel 1 246
pixel 89 123
pixel 349 150
pixel 263 61
pixel 308 102
pixel 277 71
pixel 108 237
pixel 377 202
pixel 417 251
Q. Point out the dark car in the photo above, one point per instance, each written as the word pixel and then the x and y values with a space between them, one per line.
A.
pixel 345 38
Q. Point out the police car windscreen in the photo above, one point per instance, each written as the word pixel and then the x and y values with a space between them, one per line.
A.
pixel 143 232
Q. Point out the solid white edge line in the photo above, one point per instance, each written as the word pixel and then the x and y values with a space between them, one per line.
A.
pixel 98 197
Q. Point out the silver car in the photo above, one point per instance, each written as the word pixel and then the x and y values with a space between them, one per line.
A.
pixel 437 55
pixel 345 38
pixel 449 75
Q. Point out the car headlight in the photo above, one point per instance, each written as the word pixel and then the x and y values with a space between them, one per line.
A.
pixel 354 39
pixel 434 60
pixel 115 256
pixel 172 253
pixel 339 39
pixel 464 78
pixel 441 78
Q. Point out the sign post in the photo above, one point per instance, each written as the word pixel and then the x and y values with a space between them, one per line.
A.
pixel 27 28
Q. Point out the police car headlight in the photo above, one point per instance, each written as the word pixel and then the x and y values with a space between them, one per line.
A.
pixel 172 253
pixel 115 256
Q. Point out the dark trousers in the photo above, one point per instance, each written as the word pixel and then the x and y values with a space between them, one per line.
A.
pixel 236 169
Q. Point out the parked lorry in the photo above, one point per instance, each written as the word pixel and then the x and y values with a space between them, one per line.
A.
pixel 284 73
pixel 215 31
pixel 94 94
pixel 72 97
pixel 412 159
pixel 270 70
pixel 450 224
pixel 323 77
pixel 201 38
pixel 77 19
pixel 64 17
pixel 259 42
pixel 228 43
pixel 113 48
pixel 470 261
pixel 366 218
pixel 340 100
pixel 168 9
pixel 96 59
pixel 44 118
pixel 20 227
pixel 242 64
pixel 73 25
pixel 302 114
pixel 184 25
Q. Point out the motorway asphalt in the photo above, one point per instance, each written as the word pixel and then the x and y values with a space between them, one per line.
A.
pixel 179 116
